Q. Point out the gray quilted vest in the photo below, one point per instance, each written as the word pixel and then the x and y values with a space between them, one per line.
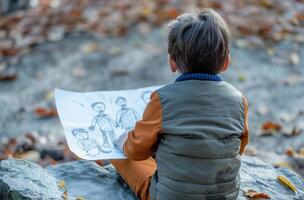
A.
pixel 198 152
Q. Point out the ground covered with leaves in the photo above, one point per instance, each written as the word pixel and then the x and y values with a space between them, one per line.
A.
pixel 106 45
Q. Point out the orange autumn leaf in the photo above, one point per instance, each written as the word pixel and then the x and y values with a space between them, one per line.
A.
pixel 45 112
pixel 290 152
pixel 256 195
pixel 270 127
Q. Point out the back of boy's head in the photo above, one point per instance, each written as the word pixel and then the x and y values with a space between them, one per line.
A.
pixel 199 43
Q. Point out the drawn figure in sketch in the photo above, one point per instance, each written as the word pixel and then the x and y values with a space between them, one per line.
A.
pixel 146 96
pixel 89 145
pixel 126 117
pixel 105 124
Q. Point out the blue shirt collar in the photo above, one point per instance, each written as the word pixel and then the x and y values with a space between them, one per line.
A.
pixel 198 76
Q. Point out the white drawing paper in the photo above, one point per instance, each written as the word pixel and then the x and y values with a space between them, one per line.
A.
pixel 93 120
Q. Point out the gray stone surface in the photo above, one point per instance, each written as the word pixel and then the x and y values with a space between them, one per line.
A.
pixel 25 180
pixel 262 177
pixel 20 179
pixel 86 179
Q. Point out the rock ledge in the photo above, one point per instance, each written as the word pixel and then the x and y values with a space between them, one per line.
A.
pixel 20 179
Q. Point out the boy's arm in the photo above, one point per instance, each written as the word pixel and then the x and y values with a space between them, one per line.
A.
pixel 245 135
pixel 142 140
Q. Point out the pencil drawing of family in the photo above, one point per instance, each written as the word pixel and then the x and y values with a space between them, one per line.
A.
pixel 102 122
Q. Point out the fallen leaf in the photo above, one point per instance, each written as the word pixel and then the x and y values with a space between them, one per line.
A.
pixel 286 182
pixel 290 152
pixel 65 195
pixel 79 198
pixel 45 112
pixel 269 128
pixel 9 77
pixel 61 184
pixel 256 195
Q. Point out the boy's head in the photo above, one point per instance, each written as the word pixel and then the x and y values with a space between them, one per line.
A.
pixel 199 43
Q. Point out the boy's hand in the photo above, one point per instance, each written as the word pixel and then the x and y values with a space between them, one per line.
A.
pixel 119 142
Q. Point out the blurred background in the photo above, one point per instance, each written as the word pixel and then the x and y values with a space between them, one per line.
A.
pixel 93 45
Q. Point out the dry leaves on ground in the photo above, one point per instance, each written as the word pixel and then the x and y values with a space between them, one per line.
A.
pixel 42 149
pixel 295 154
pixel 26 28
pixel 257 21
pixel 45 112
pixel 256 195
pixel 292 129
pixel 270 128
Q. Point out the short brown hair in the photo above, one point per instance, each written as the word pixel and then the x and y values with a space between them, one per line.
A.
pixel 199 43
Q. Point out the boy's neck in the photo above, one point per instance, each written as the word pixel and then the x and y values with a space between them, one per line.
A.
pixel 198 76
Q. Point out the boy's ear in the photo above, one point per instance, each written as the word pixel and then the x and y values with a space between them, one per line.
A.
pixel 226 64
pixel 172 64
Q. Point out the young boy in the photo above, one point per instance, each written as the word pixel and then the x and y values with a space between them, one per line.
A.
pixel 196 128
